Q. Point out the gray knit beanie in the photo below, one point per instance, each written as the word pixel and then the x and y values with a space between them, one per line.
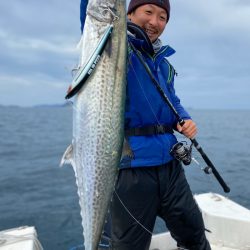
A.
pixel 161 3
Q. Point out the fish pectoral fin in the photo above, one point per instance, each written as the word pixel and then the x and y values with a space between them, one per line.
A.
pixel 126 150
pixel 67 157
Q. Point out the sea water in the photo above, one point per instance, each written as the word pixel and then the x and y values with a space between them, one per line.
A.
pixel 35 191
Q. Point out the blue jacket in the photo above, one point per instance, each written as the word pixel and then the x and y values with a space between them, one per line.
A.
pixel 145 106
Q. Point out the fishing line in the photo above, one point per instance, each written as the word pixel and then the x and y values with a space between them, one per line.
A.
pixel 114 16
pixel 143 91
pixel 71 103
pixel 138 222
pixel 182 122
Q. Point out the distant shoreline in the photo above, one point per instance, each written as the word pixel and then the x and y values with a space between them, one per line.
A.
pixel 69 104
pixel 37 106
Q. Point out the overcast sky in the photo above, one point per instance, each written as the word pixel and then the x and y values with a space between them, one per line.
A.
pixel 211 39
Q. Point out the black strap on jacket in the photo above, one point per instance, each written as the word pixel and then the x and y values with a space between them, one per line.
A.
pixel 149 130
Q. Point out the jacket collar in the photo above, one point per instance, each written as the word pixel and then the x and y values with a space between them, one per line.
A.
pixel 141 45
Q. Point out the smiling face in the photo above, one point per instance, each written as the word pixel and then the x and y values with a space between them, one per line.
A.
pixel 151 18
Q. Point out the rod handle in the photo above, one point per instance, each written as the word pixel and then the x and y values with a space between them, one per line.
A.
pixel 210 164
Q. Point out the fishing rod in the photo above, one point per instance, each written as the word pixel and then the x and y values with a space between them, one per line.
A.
pixel 211 167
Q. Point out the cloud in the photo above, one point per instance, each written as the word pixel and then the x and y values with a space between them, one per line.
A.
pixel 212 39
pixel 34 19
pixel 32 89
pixel 37 46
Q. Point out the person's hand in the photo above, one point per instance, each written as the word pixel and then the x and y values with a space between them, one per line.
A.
pixel 189 129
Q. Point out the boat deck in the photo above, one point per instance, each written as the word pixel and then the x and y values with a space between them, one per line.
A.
pixel 164 241
pixel 228 222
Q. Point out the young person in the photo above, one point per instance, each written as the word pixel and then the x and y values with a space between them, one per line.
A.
pixel 151 182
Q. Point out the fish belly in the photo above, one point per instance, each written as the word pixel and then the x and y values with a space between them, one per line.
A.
pixel 98 122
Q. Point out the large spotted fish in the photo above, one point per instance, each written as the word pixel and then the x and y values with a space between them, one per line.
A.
pixel 98 114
